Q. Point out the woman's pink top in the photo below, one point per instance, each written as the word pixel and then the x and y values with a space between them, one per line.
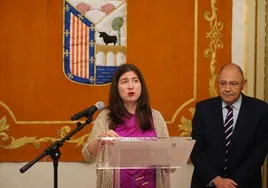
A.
pixel 136 178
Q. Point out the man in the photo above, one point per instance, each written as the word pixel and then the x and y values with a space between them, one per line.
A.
pixel 231 133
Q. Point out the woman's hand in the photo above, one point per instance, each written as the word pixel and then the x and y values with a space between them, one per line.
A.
pixel 93 146
pixel 107 134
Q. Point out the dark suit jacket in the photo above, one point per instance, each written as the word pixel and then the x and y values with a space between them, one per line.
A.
pixel 248 149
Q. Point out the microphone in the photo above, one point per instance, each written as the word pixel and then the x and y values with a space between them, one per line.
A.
pixel 89 111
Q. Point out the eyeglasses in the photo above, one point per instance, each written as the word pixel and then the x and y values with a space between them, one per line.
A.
pixel 231 84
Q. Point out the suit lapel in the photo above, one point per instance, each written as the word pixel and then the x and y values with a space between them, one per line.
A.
pixel 218 119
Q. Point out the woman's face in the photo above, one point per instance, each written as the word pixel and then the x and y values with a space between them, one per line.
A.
pixel 129 87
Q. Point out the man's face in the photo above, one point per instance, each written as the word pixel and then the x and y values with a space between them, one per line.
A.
pixel 231 84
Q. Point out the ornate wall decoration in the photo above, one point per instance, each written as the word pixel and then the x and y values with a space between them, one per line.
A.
pixel 36 112
pixel 186 125
pixel 211 53
pixel 216 43
pixel 14 143
pixel 94 40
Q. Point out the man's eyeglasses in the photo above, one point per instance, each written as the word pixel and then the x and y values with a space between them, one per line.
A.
pixel 231 84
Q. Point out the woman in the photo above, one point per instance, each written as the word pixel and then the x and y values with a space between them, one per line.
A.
pixel 128 115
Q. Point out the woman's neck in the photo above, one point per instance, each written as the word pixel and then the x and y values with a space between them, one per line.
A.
pixel 131 107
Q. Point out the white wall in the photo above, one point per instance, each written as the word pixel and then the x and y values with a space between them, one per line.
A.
pixel 248 43
pixel 238 33
pixel 70 175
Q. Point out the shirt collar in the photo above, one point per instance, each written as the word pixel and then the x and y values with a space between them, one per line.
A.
pixel 235 105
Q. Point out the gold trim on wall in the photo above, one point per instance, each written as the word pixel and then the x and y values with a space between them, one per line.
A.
pixel 265 168
pixel 19 142
pixel 255 54
pixel 260 62
pixel 185 126
pixel 216 43
pixel 32 122
pixel 211 53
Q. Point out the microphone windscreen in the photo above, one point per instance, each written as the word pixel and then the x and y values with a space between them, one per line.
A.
pixel 100 105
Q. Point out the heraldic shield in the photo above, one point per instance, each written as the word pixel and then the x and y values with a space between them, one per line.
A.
pixel 94 40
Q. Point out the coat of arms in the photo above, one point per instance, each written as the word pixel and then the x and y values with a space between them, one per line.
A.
pixel 94 39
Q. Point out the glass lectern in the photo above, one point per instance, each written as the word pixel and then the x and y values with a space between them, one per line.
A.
pixel 167 154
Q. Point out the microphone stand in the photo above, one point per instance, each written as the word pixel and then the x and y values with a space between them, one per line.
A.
pixel 54 151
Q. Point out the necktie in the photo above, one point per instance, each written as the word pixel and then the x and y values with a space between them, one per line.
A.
pixel 228 131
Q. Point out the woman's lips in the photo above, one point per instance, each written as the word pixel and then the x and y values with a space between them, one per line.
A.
pixel 131 94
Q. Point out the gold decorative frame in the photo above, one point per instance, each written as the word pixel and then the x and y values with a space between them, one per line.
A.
pixel 186 125
pixel 19 142
pixel 216 43
pixel 211 53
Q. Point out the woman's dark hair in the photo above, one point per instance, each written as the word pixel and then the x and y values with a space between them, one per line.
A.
pixel 117 108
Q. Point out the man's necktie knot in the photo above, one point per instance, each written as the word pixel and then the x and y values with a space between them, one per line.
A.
pixel 229 107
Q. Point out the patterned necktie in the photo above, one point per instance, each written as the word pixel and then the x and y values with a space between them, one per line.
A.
pixel 228 131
